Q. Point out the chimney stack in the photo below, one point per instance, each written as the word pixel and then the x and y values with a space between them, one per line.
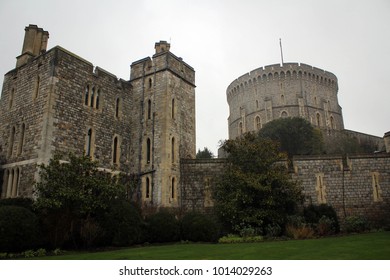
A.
pixel 162 46
pixel 35 44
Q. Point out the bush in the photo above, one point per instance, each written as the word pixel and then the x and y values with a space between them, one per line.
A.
pixel 18 201
pixel 162 227
pixel 199 227
pixel 19 229
pixel 326 226
pixel 273 230
pixel 314 213
pixel 355 224
pixel 299 232
pixel 122 224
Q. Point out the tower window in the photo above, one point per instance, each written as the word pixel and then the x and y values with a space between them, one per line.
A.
pixel 147 191
pixel 117 105
pixel 21 139
pixel 150 82
pixel 11 141
pixel 88 150
pixel 149 109
pixel 36 88
pixel 173 108
pixel 115 150
pixel 173 191
pixel 318 118
pixel 97 99
pixel 92 97
pixel 173 149
pixel 11 98
pixel 148 150
pixel 257 123
pixel 86 96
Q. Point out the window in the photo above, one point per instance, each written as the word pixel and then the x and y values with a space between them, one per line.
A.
pixel 257 123
pixel 284 115
pixel 282 99
pixel 21 138
pixel 150 82
pixel 92 97
pixel 97 99
pixel 173 108
pixel 117 105
pixel 36 88
pixel 318 119
pixel 148 150
pixel 149 109
pixel 332 122
pixel 10 183
pixel 173 191
pixel 11 141
pixel 173 149
pixel 115 150
pixel 240 129
pixel 88 149
pixel 86 96
pixel 147 189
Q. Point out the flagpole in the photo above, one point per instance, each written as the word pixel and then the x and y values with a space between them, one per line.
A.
pixel 281 50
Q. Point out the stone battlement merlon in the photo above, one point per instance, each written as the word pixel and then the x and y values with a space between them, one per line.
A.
pixel 292 70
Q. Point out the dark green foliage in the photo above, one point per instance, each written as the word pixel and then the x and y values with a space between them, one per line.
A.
pixel 296 136
pixel 255 189
pixel 19 201
pixel 122 224
pixel 356 224
pixel 19 229
pixel 162 227
pixel 314 213
pixel 205 154
pixel 199 227
pixel 71 195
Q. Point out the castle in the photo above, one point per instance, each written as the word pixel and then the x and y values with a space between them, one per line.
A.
pixel 56 101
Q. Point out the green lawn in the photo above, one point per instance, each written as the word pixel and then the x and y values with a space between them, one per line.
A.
pixel 369 246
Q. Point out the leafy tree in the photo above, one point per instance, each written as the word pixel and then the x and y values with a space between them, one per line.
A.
pixel 296 136
pixel 71 194
pixel 255 189
pixel 205 153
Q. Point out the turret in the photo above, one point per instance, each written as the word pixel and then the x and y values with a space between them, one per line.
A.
pixel 35 43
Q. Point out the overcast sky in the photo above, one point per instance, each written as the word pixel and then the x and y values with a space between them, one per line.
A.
pixel 223 40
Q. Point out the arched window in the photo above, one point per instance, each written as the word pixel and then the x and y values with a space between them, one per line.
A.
pixel 173 191
pixel 173 108
pixel 117 104
pixel 257 123
pixel 332 122
pixel 88 148
pixel 86 96
pixel 150 82
pixel 21 139
pixel 97 99
pixel 284 115
pixel 36 88
pixel 257 104
pixel 115 151
pixel 173 149
pixel 15 183
pixel 11 141
pixel 282 100
pixel 148 150
pixel 92 97
pixel 5 184
pixel 149 109
pixel 147 189
pixel 318 119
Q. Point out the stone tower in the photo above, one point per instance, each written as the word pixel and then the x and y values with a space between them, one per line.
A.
pixel 164 124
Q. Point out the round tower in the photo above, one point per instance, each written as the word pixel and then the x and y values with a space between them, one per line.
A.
pixel 278 91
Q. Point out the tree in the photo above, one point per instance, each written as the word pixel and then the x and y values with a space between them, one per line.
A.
pixel 205 153
pixel 296 136
pixel 71 194
pixel 255 189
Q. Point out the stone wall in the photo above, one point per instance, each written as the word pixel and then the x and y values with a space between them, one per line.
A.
pixel 354 186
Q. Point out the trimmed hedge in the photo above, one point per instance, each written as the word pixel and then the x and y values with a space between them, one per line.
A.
pixel 199 227
pixel 162 227
pixel 19 229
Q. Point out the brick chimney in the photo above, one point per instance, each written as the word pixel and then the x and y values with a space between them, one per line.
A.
pixel 35 44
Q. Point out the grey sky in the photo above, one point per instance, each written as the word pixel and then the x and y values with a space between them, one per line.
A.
pixel 223 40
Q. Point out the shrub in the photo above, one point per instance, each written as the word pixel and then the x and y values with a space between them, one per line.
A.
pixel 273 230
pixel 326 226
pixel 19 229
pixel 162 227
pixel 355 224
pixel 18 201
pixel 314 213
pixel 199 227
pixel 122 224
pixel 299 232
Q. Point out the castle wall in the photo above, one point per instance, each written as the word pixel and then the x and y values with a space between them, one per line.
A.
pixel 290 90
pixel 354 186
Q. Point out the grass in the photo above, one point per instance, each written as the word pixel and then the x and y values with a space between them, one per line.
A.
pixel 369 246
